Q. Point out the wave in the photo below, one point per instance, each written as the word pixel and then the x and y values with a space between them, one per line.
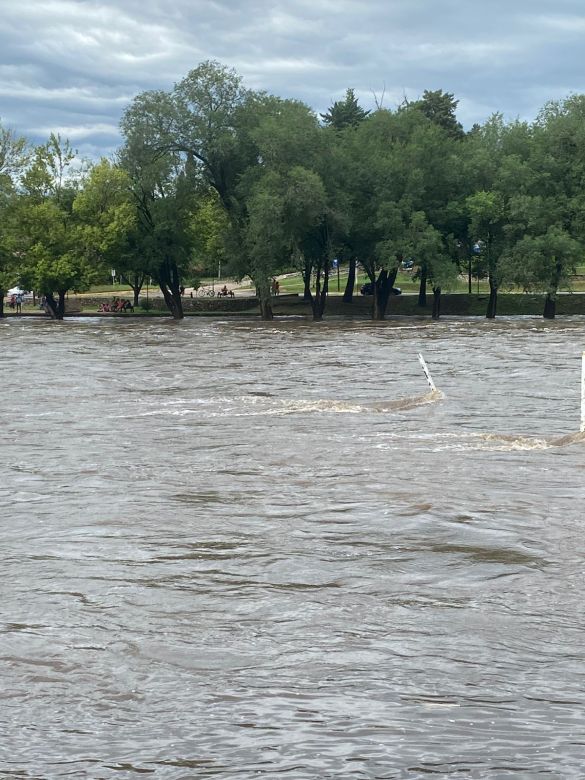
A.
pixel 353 407
pixel 519 442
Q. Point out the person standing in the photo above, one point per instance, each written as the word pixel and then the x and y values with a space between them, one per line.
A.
pixel 19 303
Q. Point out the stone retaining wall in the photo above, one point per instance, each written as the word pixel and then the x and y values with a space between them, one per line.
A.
pixel 459 304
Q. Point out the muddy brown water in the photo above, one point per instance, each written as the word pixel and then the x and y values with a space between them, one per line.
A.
pixel 235 549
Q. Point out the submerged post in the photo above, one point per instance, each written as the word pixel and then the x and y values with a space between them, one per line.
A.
pixel 583 393
pixel 430 378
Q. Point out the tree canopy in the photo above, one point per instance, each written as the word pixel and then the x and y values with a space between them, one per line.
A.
pixel 212 174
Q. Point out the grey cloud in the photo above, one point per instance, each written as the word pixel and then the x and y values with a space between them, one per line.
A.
pixel 72 66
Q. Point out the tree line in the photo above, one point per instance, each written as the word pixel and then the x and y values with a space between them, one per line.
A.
pixel 212 172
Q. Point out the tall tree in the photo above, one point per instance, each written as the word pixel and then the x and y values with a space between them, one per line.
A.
pixel 108 223
pixel 544 261
pixel 487 213
pixel 13 158
pixel 426 243
pixel 162 186
pixel 46 233
pixel 440 108
pixel 345 113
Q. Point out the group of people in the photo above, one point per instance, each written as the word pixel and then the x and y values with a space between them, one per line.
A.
pixel 15 302
pixel 117 305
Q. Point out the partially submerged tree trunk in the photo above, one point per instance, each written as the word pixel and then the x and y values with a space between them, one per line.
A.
pixel 306 274
pixel 493 300
pixel 550 302
pixel 55 309
pixel 422 290
pixel 319 300
pixel 550 307
pixel 264 299
pixel 382 289
pixel 436 303
pixel 350 285
pixel 169 283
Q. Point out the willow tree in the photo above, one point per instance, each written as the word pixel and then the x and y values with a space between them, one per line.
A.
pixel 230 136
pixel 46 232
pixel 162 185
pixel 201 124
pixel 545 261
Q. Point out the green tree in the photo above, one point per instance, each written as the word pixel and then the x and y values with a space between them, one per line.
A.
pixel 440 108
pixel 427 244
pixel 401 163
pixel 107 223
pixel 544 262
pixel 345 113
pixel 45 231
pixel 208 228
pixel 487 213
pixel 162 193
pixel 13 158
pixel 549 215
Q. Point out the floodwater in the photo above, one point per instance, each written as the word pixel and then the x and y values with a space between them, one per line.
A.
pixel 236 549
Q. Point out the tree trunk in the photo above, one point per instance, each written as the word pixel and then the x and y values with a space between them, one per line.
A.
pixel 136 285
pixel 264 299
pixel 266 312
pixel 2 293
pixel 61 304
pixel 550 302
pixel 306 274
pixel 550 307
pixel 493 300
pixel 169 283
pixel 349 287
pixel 436 303
pixel 319 300
pixel 422 290
pixel 55 309
pixel 382 289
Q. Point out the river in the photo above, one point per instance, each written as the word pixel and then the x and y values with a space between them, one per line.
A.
pixel 236 549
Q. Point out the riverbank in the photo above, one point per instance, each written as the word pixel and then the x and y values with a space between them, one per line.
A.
pixel 457 304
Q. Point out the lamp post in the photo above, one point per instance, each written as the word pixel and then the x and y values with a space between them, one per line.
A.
pixel 336 265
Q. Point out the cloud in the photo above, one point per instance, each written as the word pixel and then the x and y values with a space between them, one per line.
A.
pixel 71 66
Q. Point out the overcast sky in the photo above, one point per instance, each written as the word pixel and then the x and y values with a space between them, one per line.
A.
pixel 71 66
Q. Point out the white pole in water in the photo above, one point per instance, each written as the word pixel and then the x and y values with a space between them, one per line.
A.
pixel 425 368
pixel 583 393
